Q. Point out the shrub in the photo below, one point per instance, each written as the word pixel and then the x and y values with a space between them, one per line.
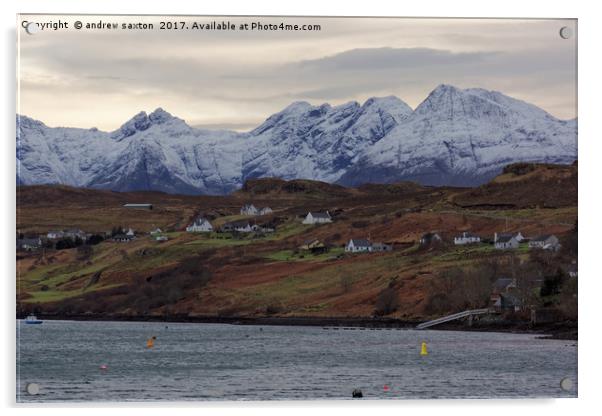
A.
pixel 387 302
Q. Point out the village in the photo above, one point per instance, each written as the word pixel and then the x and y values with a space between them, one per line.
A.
pixel 255 224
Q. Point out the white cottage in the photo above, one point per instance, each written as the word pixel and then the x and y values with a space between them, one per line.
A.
pixel 507 241
pixel 200 225
pixel 265 211
pixel 249 209
pixel 358 246
pixel 545 242
pixel 466 238
pixel 55 235
pixel 317 218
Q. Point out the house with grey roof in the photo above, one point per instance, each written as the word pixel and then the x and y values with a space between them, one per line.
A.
pixel 356 245
pixel 28 244
pixel 251 210
pixel 379 247
pixel 545 242
pixel 241 226
pixel 200 225
pixel 317 218
pixel 507 241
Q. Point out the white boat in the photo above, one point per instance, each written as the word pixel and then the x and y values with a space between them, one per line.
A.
pixel 33 320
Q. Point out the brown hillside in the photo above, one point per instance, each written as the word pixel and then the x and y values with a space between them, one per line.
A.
pixel 525 185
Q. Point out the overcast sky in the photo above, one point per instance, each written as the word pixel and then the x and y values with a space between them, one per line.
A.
pixel 236 79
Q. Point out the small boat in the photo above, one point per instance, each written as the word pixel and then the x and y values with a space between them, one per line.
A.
pixel 33 320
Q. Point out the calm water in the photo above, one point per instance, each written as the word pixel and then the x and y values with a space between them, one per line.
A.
pixel 228 362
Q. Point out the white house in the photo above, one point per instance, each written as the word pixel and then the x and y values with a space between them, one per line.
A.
pixel 506 241
pixel 156 231
pixel 466 238
pixel 28 244
pixel 376 247
pixel 55 235
pixel 265 211
pixel 545 242
pixel 122 238
pixel 517 236
pixel 239 226
pixel 317 218
pixel 249 209
pixel 358 246
pixel 161 238
pixel 252 210
pixel 200 225
pixel 130 233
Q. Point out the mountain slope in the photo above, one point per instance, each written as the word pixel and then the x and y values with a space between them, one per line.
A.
pixel 454 137
pixel 319 142
pixel 465 137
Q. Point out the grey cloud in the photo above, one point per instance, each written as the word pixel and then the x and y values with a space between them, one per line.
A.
pixel 187 72
pixel 392 58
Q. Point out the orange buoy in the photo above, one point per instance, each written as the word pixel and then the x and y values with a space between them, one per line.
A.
pixel 150 343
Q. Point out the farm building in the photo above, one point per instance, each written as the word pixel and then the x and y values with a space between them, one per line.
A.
pixel 430 238
pixel 314 246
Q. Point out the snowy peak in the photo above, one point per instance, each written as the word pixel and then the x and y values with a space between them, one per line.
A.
pixel 160 116
pixel 142 121
pixel 454 137
pixel 390 104
pixel 447 102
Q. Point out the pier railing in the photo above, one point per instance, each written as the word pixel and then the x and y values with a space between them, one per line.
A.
pixel 453 317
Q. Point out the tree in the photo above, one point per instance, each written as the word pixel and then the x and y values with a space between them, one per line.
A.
pixel 117 230
pixel 95 239
pixel 568 299
pixel 387 301
pixel 570 242
pixel 526 276
pixel 64 243
pixel 476 287
pixel 552 283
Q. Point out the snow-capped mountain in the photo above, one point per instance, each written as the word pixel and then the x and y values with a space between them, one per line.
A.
pixel 465 137
pixel 304 141
pixel 454 137
pixel 149 152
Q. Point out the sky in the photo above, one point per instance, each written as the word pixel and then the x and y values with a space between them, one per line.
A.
pixel 236 79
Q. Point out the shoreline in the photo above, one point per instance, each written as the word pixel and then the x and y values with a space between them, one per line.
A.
pixel 556 330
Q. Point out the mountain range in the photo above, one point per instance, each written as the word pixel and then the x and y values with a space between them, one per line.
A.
pixel 460 137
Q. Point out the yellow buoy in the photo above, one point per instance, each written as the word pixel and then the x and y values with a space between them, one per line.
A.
pixel 423 350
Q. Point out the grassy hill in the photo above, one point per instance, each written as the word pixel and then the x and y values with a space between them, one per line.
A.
pixel 224 274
